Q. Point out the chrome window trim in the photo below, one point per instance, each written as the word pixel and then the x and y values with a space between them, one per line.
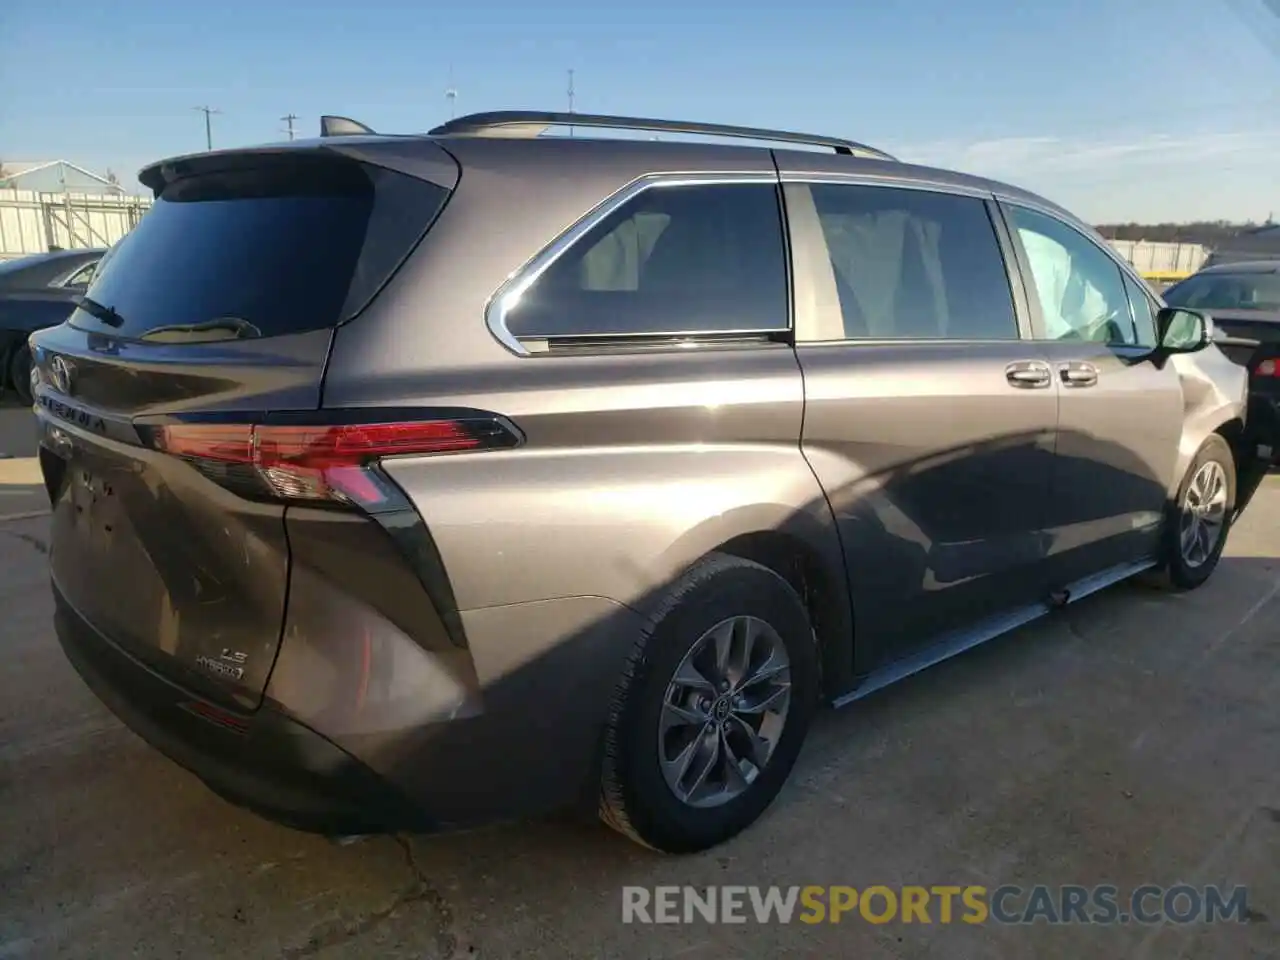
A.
pixel 66 278
pixel 524 277
pixel 890 180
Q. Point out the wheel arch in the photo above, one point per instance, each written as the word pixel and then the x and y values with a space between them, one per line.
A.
pixel 8 346
pixel 1233 431
pixel 822 589
pixel 1215 397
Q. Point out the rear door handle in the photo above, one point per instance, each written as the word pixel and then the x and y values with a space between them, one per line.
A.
pixel 1029 374
pixel 1077 373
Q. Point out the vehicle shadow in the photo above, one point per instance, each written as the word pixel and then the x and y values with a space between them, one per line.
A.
pixel 982 761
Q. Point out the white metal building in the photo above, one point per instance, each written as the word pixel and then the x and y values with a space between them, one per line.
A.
pixel 55 203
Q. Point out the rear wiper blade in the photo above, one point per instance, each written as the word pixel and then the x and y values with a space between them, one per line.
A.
pixel 104 313
pixel 223 328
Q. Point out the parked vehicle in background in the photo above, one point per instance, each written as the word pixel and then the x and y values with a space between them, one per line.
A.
pixel 37 292
pixel 1259 243
pixel 412 482
pixel 1243 299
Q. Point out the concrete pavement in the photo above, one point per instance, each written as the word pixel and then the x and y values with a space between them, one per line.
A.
pixel 1130 739
pixel 21 489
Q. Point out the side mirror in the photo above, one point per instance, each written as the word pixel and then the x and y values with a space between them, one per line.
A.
pixel 1183 331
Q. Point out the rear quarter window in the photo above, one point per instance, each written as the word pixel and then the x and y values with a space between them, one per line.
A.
pixel 689 258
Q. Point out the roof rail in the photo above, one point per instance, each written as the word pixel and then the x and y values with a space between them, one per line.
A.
pixel 342 127
pixel 530 123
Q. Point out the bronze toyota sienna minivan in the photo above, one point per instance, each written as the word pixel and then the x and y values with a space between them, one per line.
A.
pixel 409 482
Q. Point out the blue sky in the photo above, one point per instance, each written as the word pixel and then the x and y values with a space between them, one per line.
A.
pixel 1120 109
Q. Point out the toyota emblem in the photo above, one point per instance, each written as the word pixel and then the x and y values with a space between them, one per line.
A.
pixel 60 372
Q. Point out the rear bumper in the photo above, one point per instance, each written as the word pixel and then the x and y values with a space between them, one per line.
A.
pixel 264 761
pixel 548 672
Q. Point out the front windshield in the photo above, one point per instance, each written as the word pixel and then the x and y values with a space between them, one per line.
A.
pixel 1227 291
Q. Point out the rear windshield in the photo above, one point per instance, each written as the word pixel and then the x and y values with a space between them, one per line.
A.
pixel 267 250
pixel 1227 291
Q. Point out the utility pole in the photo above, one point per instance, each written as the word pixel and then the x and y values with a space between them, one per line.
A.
pixel 288 118
pixel 571 100
pixel 208 126
pixel 451 94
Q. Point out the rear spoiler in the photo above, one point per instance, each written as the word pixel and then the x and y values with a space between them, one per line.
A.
pixel 413 156
pixel 159 175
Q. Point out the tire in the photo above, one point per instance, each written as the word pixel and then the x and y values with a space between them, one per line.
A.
pixel 1181 572
pixel 636 798
pixel 20 374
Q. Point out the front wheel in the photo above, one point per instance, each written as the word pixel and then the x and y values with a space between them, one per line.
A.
pixel 20 374
pixel 712 709
pixel 1196 532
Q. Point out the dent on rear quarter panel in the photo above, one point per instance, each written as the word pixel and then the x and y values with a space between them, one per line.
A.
pixel 617 522
pixel 1215 391
pixel 634 466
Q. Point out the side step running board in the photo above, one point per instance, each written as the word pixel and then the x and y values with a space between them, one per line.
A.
pixel 959 641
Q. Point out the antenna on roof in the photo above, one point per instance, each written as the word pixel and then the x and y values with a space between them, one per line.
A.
pixel 342 127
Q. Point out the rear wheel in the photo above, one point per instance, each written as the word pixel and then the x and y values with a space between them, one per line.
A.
pixel 1196 532
pixel 20 373
pixel 712 709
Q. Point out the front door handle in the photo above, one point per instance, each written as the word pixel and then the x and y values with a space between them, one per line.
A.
pixel 1028 374
pixel 1077 373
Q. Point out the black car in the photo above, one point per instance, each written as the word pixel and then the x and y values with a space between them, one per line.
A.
pixel 1244 300
pixel 37 292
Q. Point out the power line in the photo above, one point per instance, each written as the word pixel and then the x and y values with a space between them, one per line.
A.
pixel 288 119
pixel 208 126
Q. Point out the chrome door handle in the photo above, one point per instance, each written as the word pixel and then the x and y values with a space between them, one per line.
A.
pixel 1028 374
pixel 1077 373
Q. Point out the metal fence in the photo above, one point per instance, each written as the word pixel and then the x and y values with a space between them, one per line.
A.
pixel 1160 259
pixel 32 222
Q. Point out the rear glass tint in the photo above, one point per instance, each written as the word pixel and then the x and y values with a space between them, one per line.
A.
pixel 280 247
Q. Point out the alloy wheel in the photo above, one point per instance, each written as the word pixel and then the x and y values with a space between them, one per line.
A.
pixel 724 711
pixel 1203 516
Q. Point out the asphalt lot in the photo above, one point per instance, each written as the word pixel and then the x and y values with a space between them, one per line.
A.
pixel 1131 739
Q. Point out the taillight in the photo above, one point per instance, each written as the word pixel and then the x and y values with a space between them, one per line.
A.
pixel 333 463
pixel 1268 368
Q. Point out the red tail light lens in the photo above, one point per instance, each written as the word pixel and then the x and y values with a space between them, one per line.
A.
pixel 319 462
pixel 1268 368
